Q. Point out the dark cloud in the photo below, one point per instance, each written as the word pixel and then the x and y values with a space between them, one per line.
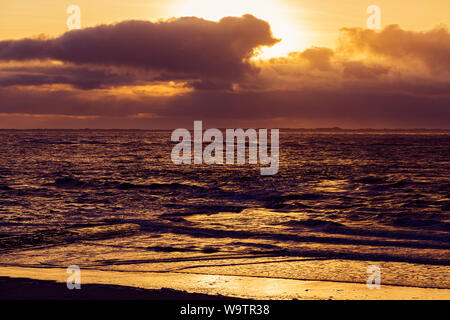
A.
pixel 82 77
pixel 349 106
pixel 210 85
pixel 190 45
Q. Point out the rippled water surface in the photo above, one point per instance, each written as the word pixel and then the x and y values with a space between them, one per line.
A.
pixel 353 196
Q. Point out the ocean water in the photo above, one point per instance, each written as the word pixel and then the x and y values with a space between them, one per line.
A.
pixel 351 196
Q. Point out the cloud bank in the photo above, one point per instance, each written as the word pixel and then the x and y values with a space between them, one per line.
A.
pixel 186 46
pixel 390 78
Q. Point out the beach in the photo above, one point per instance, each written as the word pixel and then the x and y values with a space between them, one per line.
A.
pixel 101 285
pixel 36 272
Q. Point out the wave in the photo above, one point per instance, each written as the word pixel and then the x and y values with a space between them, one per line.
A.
pixel 371 180
pixel 153 186
pixel 73 182
pixel 4 187
pixel 66 235
pixel 187 210
pixel 323 225
pixel 421 223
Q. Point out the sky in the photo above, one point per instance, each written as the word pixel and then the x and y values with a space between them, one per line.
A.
pixel 239 63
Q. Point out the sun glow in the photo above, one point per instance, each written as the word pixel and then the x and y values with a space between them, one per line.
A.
pixel 292 34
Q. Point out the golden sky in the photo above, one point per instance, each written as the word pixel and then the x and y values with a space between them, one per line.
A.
pixel 299 23
pixel 236 63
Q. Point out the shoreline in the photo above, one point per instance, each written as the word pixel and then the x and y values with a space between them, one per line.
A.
pixel 50 283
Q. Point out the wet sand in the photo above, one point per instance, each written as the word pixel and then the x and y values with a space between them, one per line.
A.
pixel 179 286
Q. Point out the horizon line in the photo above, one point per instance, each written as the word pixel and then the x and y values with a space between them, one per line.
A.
pixel 290 128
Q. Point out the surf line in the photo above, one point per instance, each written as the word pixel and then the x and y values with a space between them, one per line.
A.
pixel 213 153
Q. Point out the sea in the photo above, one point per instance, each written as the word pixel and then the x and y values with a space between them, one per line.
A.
pixel 351 196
